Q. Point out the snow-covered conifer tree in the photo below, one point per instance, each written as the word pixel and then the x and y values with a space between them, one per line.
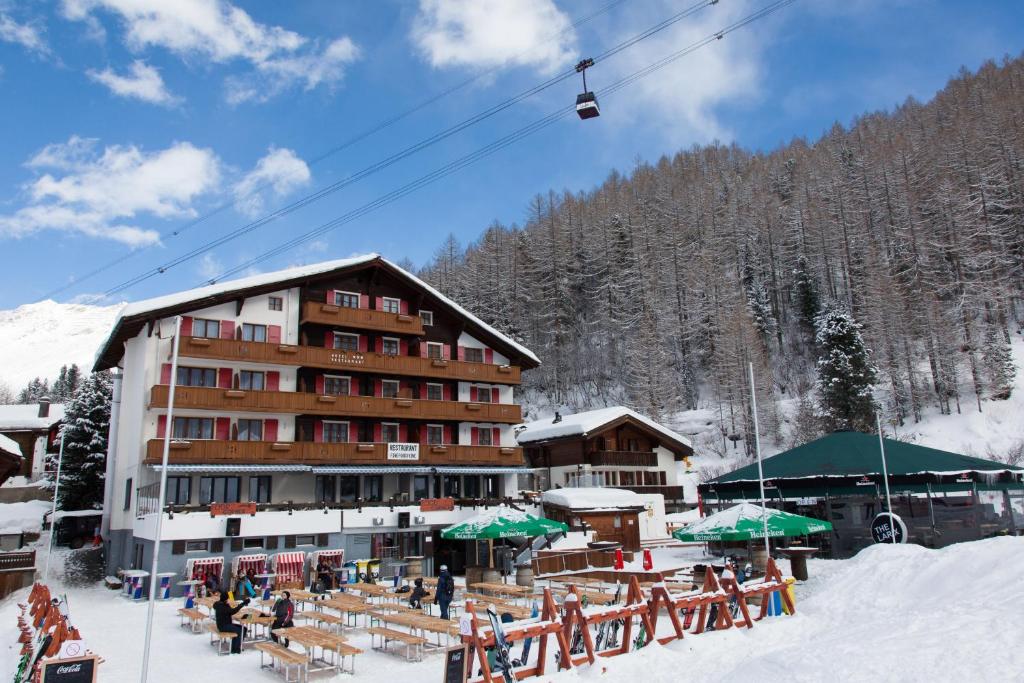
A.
pixel 998 363
pixel 845 373
pixel 86 429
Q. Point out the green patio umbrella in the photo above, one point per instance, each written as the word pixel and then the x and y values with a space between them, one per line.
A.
pixel 744 522
pixel 501 522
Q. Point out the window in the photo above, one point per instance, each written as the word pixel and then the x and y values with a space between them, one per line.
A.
pixel 346 341
pixel 427 317
pixel 179 490
pixel 389 388
pixel 435 350
pixel 251 381
pixel 435 392
pixel 373 487
pixel 435 434
pixel 254 333
pixel 348 488
pixel 219 489
pixel 483 394
pixel 392 305
pixel 128 494
pixel 250 430
pixel 492 485
pixel 420 487
pixel 389 346
pixel 323 491
pixel 483 436
pixel 346 299
pixel 305 540
pixel 197 377
pixel 473 355
pixel 337 386
pixel 197 546
pixel 452 488
pixel 205 328
pixel 389 432
pixel 617 521
pixel 335 432
pixel 259 489
pixel 193 428
pixel 275 303
pixel 252 543
pixel 471 486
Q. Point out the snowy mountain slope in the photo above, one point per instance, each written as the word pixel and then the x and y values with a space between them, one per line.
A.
pixel 37 339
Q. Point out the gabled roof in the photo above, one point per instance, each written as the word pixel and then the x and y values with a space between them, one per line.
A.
pixel 21 417
pixel 586 423
pixel 845 454
pixel 135 315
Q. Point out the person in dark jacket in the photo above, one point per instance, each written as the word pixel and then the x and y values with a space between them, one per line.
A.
pixel 417 595
pixel 284 610
pixel 223 611
pixel 445 591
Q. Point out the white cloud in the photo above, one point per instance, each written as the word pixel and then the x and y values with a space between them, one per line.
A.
pixel 217 31
pixel 281 171
pixel 143 82
pixel 101 194
pixel 26 35
pixel 488 33
pixel 209 266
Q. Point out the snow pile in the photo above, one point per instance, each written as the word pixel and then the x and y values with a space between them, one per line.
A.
pixel 683 518
pixel 27 516
pixel 589 498
pixel 9 445
pixel 581 424
pixel 26 416
pixel 37 339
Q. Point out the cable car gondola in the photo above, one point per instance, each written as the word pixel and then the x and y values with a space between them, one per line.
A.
pixel 586 101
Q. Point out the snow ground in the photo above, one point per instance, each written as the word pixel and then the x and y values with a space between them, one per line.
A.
pixel 27 516
pixel 891 613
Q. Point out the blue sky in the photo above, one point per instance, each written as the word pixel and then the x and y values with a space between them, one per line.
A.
pixel 124 120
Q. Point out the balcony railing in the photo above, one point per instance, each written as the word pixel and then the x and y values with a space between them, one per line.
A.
pixel 623 458
pixel 361 318
pixel 336 359
pixel 211 452
pixel 209 398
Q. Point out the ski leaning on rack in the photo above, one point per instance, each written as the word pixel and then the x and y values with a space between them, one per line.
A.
pixel 500 647
pixel 525 657
pixel 602 631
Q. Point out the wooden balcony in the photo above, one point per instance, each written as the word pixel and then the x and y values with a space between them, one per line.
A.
pixel 336 360
pixel 670 492
pixel 308 453
pixel 234 400
pixel 623 458
pixel 361 318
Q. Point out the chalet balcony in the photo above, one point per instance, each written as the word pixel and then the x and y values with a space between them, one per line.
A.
pixel 361 318
pixel 212 452
pixel 670 492
pixel 300 403
pixel 338 360
pixel 623 459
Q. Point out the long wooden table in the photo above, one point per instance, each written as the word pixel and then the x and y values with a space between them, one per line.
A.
pixel 505 589
pixel 310 639
pixel 418 622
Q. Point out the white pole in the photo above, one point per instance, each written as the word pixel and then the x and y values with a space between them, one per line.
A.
pixel 760 469
pixel 885 475
pixel 53 511
pixel 160 508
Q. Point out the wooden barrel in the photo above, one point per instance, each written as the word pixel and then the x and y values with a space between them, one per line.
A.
pixel 491 576
pixel 474 575
pixel 414 566
pixel 524 575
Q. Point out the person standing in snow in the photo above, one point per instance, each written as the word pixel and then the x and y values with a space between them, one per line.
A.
pixel 223 612
pixel 445 591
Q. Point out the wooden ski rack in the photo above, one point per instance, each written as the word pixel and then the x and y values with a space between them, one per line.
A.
pixel 772 583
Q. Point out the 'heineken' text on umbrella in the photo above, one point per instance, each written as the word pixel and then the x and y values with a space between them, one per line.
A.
pixel 744 521
pixel 501 522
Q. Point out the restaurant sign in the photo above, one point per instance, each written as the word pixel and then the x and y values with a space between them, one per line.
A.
pixel 884 525
pixel 403 451
pixel 227 509
pixel 437 504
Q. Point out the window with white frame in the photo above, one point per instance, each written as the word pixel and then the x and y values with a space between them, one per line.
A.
pixel 250 380
pixel 483 394
pixel 197 377
pixel 346 299
pixel 389 346
pixel 254 333
pixel 197 546
pixel 275 303
pixel 193 428
pixel 335 385
pixel 335 432
pixel 426 317
pixel 205 328
pixel 389 432
pixel 346 341
pixel 250 430
pixel 435 435
pixel 435 350
pixel 435 392
pixel 391 305
pixel 484 436
pixel 389 388
pixel 473 355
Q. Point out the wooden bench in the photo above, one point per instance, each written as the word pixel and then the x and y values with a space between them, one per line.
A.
pixel 222 639
pixel 192 619
pixel 320 619
pixel 413 644
pixel 283 660
pixel 345 650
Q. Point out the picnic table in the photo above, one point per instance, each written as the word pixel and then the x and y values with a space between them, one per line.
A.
pixel 373 590
pixel 257 623
pixel 503 589
pixel 350 608
pixel 418 623
pixel 517 611
pixel 311 639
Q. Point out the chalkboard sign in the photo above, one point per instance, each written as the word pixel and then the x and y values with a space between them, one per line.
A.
pixel 885 525
pixel 455 665
pixel 76 670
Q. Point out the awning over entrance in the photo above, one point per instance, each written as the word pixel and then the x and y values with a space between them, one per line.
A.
pixel 234 468
pixel 417 469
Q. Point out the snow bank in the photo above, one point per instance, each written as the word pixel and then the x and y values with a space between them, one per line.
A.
pixel 27 516
pixel 589 498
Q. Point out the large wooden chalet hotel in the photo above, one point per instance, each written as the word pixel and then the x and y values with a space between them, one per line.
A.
pixel 355 405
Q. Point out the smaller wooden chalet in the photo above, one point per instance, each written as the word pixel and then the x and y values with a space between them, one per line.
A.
pixel 10 458
pixel 614 446
pixel 614 515
pixel 33 427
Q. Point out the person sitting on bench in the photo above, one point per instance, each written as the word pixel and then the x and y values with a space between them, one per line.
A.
pixel 223 613
pixel 284 610
pixel 418 593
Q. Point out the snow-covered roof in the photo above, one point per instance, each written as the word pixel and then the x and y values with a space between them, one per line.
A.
pixel 220 289
pixel 9 445
pixel 26 416
pixel 591 498
pixel 583 424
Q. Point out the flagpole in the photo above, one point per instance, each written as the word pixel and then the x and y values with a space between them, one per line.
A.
pixel 885 475
pixel 168 429
pixel 53 511
pixel 760 469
